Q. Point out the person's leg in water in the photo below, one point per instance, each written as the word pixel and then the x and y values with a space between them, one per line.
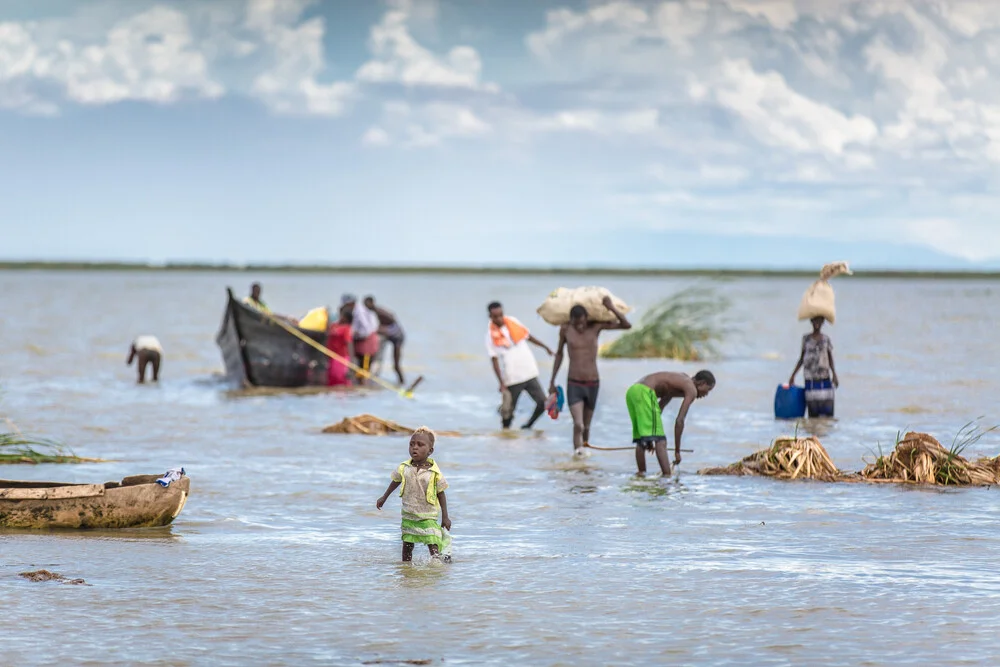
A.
pixel 141 363
pixel 397 358
pixel 588 416
pixel 534 389
pixel 515 393
pixel 408 551
pixel 156 367
pixel 662 457
pixel 576 412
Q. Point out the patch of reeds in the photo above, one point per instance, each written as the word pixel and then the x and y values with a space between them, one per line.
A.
pixel 786 458
pixel 18 448
pixel 372 425
pixel 684 326
pixel 919 458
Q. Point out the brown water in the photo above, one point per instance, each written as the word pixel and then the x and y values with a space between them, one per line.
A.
pixel 280 556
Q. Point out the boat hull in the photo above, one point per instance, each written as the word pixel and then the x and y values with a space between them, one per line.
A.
pixel 135 502
pixel 258 352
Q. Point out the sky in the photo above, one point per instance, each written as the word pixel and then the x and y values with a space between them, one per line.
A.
pixel 653 133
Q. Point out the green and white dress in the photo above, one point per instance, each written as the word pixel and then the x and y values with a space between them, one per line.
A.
pixel 418 492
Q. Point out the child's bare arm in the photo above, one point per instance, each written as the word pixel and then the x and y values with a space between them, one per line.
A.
pixel 392 487
pixel 445 521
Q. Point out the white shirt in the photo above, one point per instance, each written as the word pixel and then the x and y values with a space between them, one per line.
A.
pixel 365 321
pixel 517 363
pixel 147 343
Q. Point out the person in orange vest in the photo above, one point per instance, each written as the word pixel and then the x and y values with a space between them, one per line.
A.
pixel 514 364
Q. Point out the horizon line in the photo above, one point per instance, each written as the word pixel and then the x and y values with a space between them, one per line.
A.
pixel 28 265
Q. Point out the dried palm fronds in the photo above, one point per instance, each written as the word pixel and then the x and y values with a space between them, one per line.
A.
pixel 371 425
pixel 786 458
pixel 683 326
pixel 919 458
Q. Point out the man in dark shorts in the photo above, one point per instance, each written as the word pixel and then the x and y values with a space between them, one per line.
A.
pixel 646 400
pixel 391 331
pixel 582 380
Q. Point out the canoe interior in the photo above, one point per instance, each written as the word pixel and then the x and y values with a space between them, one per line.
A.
pixel 128 481
pixel 258 352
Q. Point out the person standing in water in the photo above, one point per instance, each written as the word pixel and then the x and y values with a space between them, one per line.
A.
pixel 819 371
pixel 390 330
pixel 423 499
pixel 514 364
pixel 646 400
pixel 582 380
pixel 364 329
pixel 148 351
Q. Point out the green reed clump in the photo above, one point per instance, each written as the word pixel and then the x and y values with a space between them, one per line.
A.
pixel 684 326
pixel 17 448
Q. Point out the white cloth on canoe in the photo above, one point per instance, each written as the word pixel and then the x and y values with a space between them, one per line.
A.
pixel 147 343
pixel 171 475
pixel 365 321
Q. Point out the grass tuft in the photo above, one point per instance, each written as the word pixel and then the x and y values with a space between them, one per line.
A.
pixel 684 326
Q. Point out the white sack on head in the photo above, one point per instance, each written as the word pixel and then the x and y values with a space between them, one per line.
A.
pixel 555 309
pixel 818 301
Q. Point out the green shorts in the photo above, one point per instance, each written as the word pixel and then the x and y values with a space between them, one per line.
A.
pixel 644 409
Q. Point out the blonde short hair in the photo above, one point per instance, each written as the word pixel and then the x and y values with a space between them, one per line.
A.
pixel 425 430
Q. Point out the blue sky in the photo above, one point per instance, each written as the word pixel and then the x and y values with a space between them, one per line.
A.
pixel 776 133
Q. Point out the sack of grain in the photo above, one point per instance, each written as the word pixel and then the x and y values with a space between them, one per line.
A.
pixel 555 309
pixel 818 301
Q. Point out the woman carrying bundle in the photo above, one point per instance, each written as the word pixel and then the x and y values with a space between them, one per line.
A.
pixel 819 371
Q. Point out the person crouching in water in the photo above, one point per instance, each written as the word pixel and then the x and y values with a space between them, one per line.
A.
pixel 148 351
pixel 820 374
pixel 421 490
pixel 646 400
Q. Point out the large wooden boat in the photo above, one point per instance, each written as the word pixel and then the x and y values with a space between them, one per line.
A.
pixel 258 352
pixel 135 502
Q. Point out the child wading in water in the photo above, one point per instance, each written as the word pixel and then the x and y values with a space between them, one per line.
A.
pixel 422 493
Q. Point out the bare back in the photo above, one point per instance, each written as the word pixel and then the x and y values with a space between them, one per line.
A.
pixel 669 385
pixel 582 348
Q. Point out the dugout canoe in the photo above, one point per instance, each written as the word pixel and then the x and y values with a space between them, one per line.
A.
pixel 134 502
pixel 259 353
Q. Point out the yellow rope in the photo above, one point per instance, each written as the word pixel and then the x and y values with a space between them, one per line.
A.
pixel 405 393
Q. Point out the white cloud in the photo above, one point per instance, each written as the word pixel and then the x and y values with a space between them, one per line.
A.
pixel 290 83
pixel 399 58
pixel 150 56
pixel 375 136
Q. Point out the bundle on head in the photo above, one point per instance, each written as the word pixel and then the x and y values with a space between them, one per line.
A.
pixel 921 459
pixel 786 458
pixel 367 425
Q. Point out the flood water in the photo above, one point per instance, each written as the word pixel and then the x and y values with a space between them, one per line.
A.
pixel 280 557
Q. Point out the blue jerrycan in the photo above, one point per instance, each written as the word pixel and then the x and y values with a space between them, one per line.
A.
pixel 789 402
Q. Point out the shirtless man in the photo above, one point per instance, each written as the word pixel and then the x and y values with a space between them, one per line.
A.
pixel 582 380
pixel 646 400
pixel 390 330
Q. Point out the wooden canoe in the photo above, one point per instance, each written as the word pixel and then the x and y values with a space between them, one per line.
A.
pixel 135 502
pixel 259 353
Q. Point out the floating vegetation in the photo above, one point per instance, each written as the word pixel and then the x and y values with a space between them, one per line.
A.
pixel 17 448
pixel 919 458
pixel 684 326
pixel 372 425
pixel 786 458
pixel 45 575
